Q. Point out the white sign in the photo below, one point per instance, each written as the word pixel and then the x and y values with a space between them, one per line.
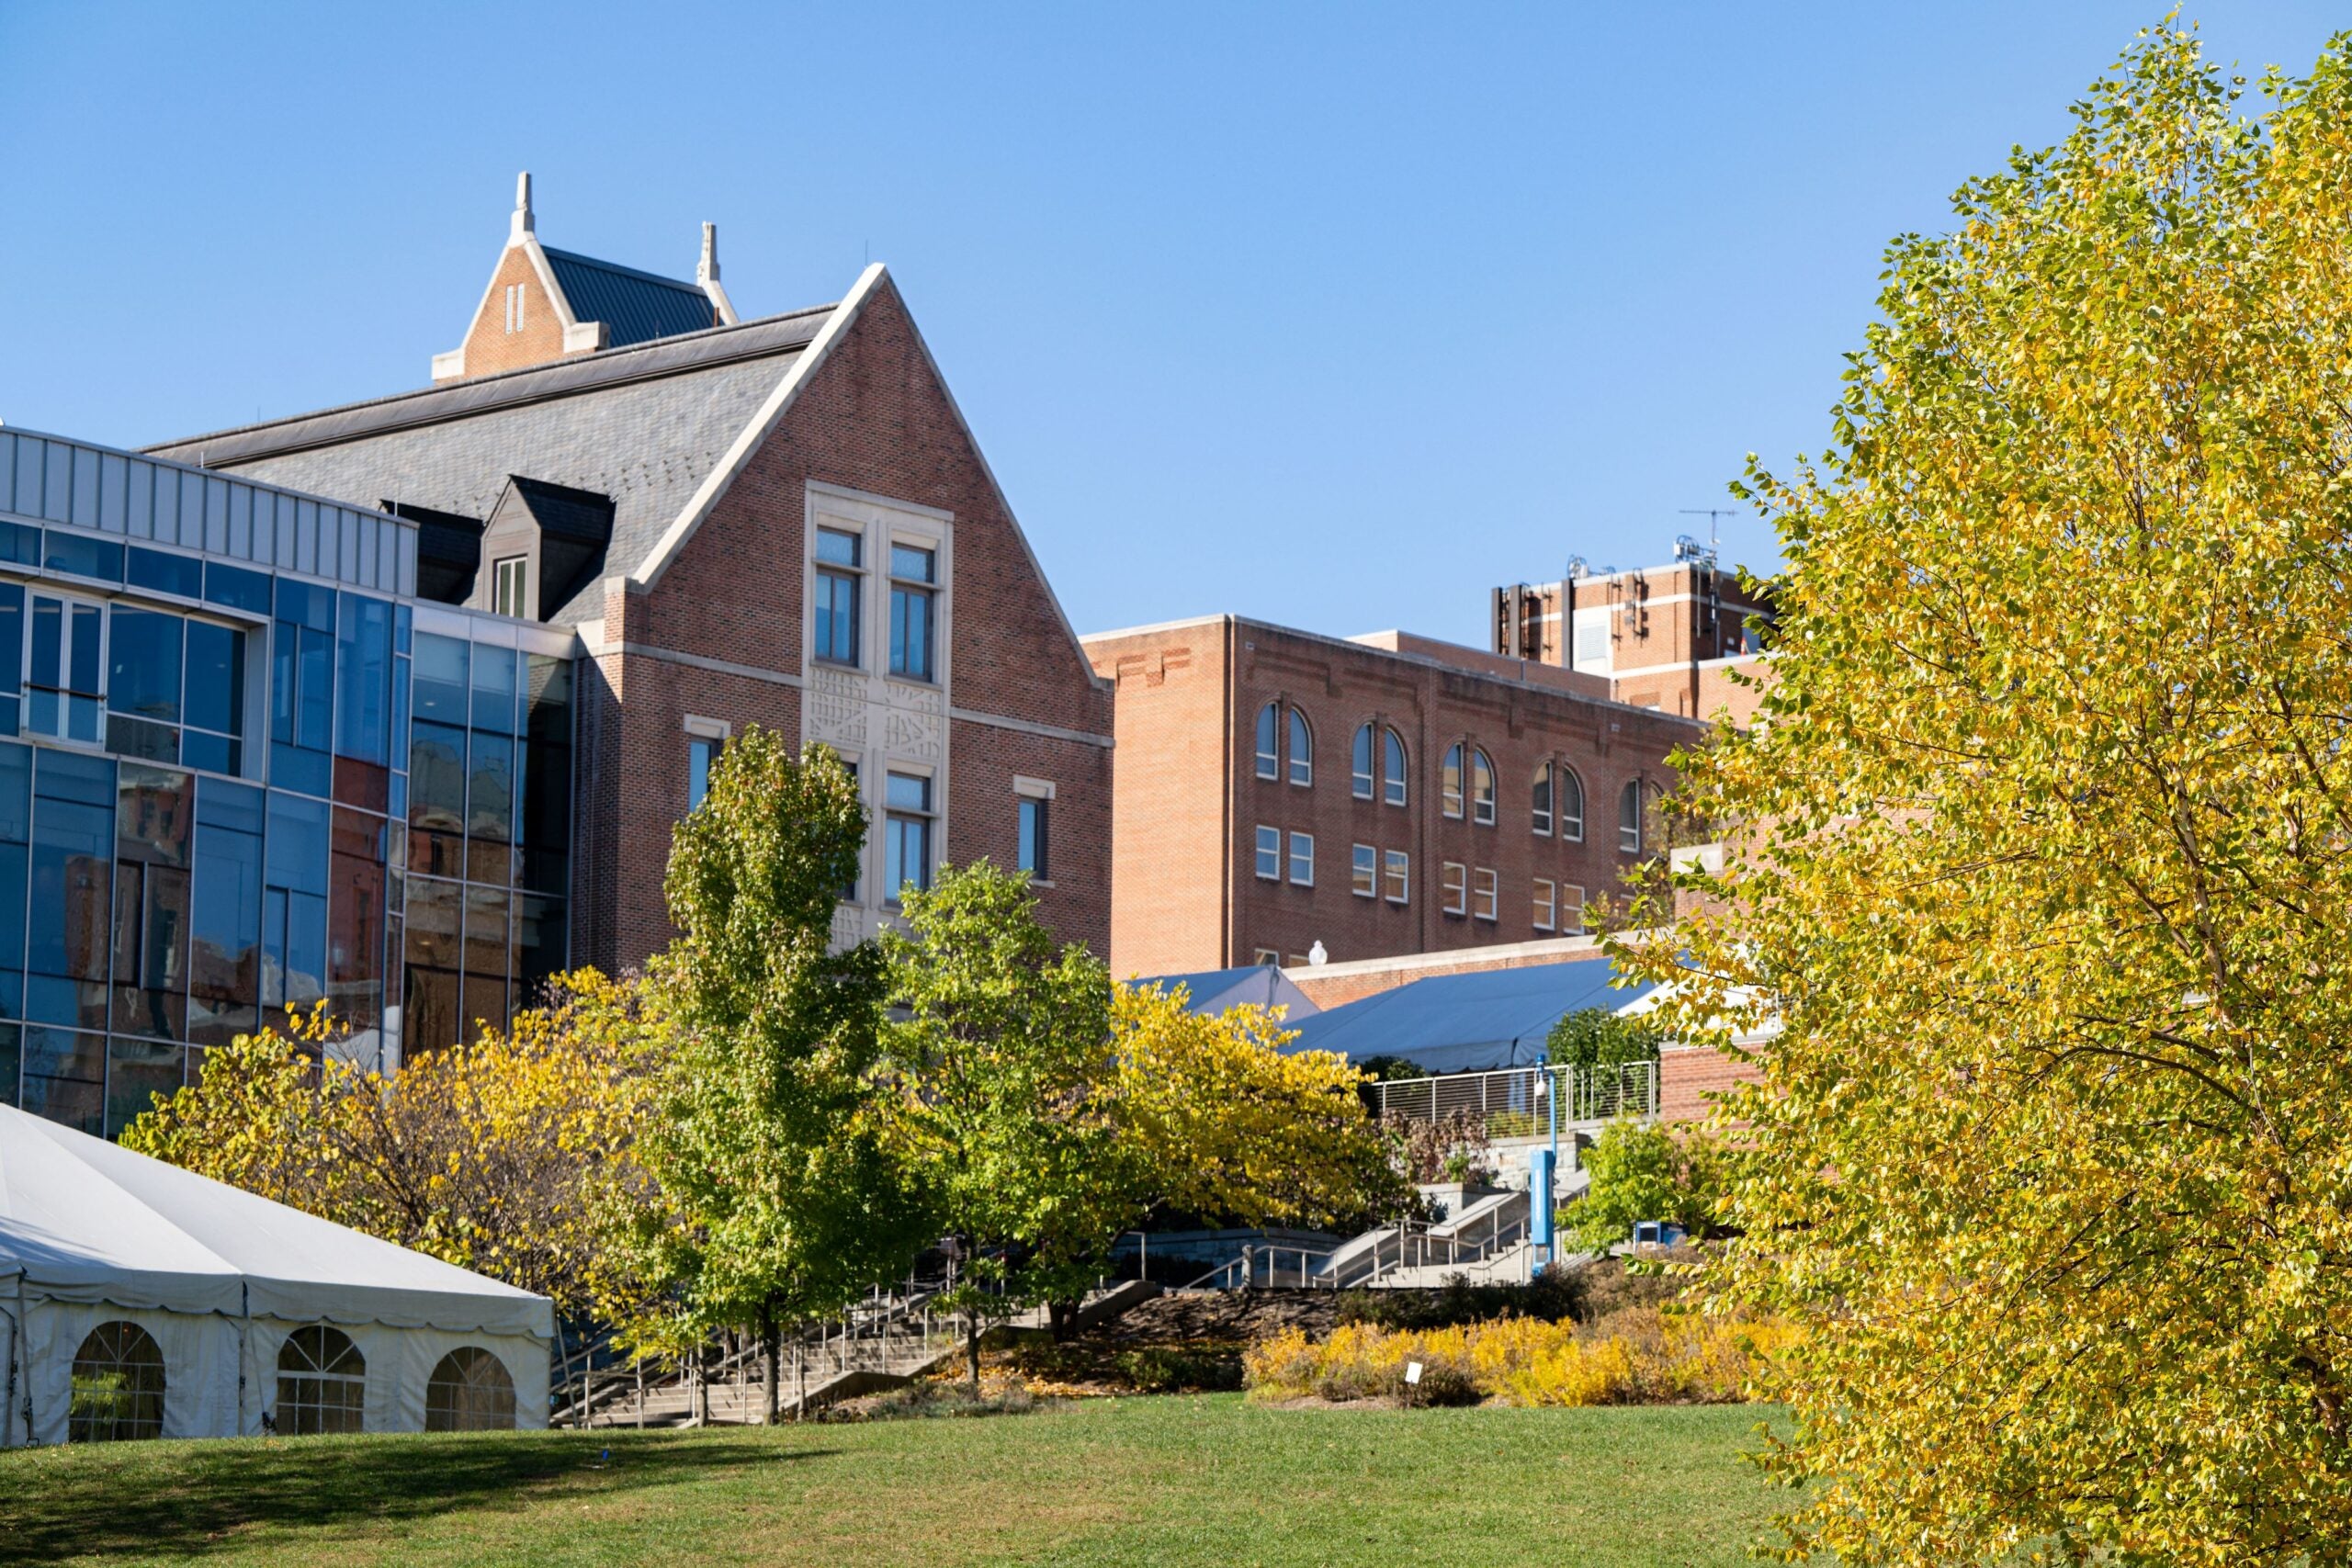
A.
pixel 1412 1372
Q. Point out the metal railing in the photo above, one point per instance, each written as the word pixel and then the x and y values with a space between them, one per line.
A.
pixel 1289 1268
pixel 1512 1102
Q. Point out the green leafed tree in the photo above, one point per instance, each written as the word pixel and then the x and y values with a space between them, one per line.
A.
pixel 1001 1067
pixel 1642 1171
pixel 779 1195
pixel 2046 872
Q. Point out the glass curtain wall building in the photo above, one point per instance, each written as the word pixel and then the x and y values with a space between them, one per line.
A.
pixel 243 769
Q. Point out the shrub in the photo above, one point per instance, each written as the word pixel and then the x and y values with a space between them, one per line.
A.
pixel 1161 1368
pixel 1549 1297
pixel 1640 1356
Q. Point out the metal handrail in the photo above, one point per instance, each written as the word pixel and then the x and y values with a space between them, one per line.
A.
pixel 1510 1101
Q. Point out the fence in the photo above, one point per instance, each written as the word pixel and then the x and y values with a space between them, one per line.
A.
pixel 1511 1103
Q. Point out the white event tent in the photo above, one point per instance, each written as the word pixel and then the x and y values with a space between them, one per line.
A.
pixel 138 1299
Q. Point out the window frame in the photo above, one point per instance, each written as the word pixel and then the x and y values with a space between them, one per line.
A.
pixel 1576 926
pixel 1394 786
pixel 1364 871
pixel 896 819
pixel 1268 740
pixel 1267 845
pixel 502 601
pixel 66 694
pixel 711 734
pixel 910 591
pixel 1040 803
pixel 1629 823
pixel 1452 887
pixel 1546 904
pixel 1300 736
pixel 1296 839
pixel 1485 894
pixel 1363 783
pixel 1481 782
pixel 850 575
pixel 1568 825
pixel 1540 797
pixel 1397 877
pixel 1449 784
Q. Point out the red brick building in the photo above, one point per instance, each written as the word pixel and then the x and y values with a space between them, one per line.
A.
pixel 1278 789
pixel 1668 637
pixel 783 521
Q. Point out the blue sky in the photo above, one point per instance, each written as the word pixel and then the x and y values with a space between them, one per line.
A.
pixel 1332 315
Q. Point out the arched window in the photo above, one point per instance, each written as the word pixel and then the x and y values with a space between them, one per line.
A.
pixel 1450 781
pixel 1302 749
pixel 1541 813
pixel 117 1390
pixel 1629 818
pixel 1482 789
pixel 1270 762
pixel 1567 792
pixel 321 1382
pixel 1362 785
pixel 469 1391
pixel 1393 765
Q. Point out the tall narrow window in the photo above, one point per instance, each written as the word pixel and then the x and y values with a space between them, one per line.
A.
pixel 64 663
pixel 702 756
pixel 1540 814
pixel 914 580
pixel 1270 853
pixel 1360 783
pixel 1302 749
pixel 839 587
pixel 1453 883
pixel 1482 789
pixel 1301 859
pixel 506 581
pixel 1270 729
pixel 1483 895
pixel 1392 768
pixel 1571 906
pixel 1570 805
pixel 1629 818
pixel 1364 868
pixel 1547 904
pixel 1399 867
pixel 1450 783
pixel 1036 858
pixel 906 842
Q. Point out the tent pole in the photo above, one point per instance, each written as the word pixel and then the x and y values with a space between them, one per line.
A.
pixel 29 1360
pixel 244 1348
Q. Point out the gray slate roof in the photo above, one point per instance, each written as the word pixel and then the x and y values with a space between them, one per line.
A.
pixel 635 307
pixel 643 426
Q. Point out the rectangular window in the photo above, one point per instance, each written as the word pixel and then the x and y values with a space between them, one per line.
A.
pixel 1454 883
pixel 1268 956
pixel 913 575
pixel 1483 895
pixel 506 578
pixel 1547 904
pixel 1400 876
pixel 839 586
pixel 1035 856
pixel 1365 869
pixel 1270 854
pixel 702 755
pixel 1571 906
pixel 63 667
pixel 1302 859
pixel 906 841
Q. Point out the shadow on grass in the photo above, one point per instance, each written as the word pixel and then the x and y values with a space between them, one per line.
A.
pixel 155 1499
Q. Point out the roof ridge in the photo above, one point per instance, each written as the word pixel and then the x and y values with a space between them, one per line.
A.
pixel 601 357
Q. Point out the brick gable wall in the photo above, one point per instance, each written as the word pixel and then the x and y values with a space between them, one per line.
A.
pixel 489 347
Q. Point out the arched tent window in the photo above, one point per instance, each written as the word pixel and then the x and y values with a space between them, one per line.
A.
pixel 469 1391
pixel 1362 785
pixel 1482 789
pixel 1540 811
pixel 1392 768
pixel 1270 762
pixel 1450 781
pixel 117 1390
pixel 1568 802
pixel 1629 818
pixel 1302 749
pixel 321 1382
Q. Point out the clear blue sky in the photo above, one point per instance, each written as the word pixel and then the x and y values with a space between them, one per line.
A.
pixel 1336 316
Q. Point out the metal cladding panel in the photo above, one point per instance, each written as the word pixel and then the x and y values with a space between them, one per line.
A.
pixel 7 467
pixel 346 555
pixel 114 484
pixel 305 514
pixel 85 488
pixel 57 483
pixel 240 522
pixel 192 492
pixel 216 515
pixel 139 509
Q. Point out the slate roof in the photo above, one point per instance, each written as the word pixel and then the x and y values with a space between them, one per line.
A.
pixel 1463 1024
pixel 643 426
pixel 635 307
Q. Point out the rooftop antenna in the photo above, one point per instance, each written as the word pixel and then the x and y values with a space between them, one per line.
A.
pixel 1712 515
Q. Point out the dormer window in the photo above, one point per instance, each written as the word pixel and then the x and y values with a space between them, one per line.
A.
pixel 508 578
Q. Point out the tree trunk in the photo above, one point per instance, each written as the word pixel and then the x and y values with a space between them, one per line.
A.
pixel 972 1348
pixel 771 1354
pixel 1062 1317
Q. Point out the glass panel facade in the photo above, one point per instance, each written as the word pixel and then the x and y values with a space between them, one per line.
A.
pixel 226 791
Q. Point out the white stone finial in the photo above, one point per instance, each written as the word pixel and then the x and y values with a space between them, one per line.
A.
pixel 1319 955
pixel 522 222
pixel 706 269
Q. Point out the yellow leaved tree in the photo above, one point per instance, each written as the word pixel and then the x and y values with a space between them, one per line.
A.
pixel 2052 888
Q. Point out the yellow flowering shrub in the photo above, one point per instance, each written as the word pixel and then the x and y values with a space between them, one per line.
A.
pixel 1640 1356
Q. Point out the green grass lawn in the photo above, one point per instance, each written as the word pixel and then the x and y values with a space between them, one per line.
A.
pixel 1174 1479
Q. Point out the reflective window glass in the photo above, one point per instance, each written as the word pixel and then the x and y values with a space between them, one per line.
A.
pixel 494 687
pixel 440 687
pixel 183 575
pixel 363 678
pixel 143 664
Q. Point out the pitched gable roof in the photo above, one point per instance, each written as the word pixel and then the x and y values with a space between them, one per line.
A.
pixel 634 306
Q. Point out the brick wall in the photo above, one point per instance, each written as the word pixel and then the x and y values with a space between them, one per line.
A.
pixel 489 347
pixel 1690 1076
pixel 1187 827
pixel 874 418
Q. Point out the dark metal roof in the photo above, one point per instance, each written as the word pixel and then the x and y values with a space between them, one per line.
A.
pixel 636 307
pixel 443 536
pixel 566 512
